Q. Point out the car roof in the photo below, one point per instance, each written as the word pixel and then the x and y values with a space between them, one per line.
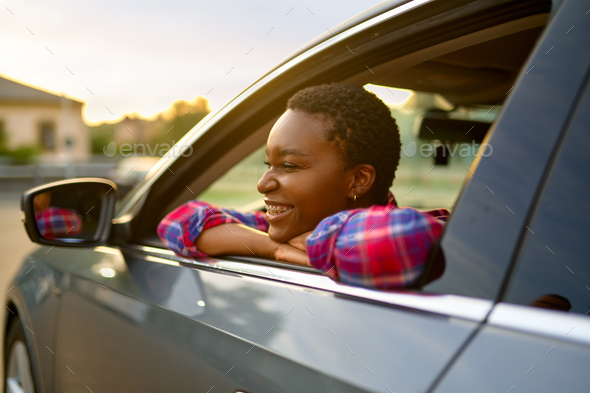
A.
pixel 364 16
pixel 476 75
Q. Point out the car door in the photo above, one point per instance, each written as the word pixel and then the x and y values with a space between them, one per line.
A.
pixel 536 339
pixel 134 321
pixel 155 321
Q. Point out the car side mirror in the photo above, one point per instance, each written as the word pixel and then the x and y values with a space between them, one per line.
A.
pixel 70 213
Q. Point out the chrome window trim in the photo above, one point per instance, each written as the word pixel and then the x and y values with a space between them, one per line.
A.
pixel 211 119
pixel 560 325
pixel 471 309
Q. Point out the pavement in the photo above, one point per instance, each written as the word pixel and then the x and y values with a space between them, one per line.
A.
pixel 15 246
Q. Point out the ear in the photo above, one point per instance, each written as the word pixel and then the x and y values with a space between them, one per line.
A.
pixel 364 177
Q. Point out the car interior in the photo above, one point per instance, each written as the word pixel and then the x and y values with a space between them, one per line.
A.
pixel 455 87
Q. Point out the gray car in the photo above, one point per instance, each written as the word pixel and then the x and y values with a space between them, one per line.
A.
pixel 110 309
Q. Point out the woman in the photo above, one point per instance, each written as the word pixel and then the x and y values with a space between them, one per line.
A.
pixel 331 159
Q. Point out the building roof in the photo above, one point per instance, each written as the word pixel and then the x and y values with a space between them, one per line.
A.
pixel 19 93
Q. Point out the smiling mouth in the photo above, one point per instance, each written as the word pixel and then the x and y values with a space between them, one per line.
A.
pixel 277 210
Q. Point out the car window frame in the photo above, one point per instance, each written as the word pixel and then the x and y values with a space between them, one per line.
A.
pixel 451 306
pixel 573 121
pixel 468 233
pixel 203 133
pixel 282 74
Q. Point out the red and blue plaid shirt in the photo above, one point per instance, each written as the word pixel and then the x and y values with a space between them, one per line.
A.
pixel 55 222
pixel 383 247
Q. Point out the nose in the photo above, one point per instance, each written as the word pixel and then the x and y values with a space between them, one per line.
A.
pixel 267 182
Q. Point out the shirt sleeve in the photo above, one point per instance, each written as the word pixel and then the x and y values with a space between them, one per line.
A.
pixel 54 222
pixel 180 229
pixel 380 247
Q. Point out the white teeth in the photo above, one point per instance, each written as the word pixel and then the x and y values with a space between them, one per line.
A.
pixel 276 210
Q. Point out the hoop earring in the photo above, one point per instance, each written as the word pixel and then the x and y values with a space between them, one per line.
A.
pixel 354 198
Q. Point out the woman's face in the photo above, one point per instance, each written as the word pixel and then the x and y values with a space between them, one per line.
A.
pixel 305 181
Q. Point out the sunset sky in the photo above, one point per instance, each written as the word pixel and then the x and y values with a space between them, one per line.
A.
pixel 142 56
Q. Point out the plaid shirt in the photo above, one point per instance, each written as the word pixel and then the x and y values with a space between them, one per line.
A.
pixel 382 247
pixel 55 222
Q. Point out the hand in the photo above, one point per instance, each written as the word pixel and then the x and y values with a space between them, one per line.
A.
pixel 287 253
pixel 300 242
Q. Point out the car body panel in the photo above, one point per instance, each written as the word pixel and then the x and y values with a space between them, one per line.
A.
pixel 502 360
pixel 467 308
pixel 555 324
pixel 35 298
pixel 152 310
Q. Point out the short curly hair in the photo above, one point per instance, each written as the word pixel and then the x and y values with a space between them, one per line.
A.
pixel 363 129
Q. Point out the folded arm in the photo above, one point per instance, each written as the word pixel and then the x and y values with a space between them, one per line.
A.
pixel 377 247
pixel 198 229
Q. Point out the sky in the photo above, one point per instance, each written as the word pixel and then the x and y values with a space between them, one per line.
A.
pixel 126 56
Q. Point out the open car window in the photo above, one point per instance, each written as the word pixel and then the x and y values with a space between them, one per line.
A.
pixel 466 78
pixel 431 171
pixel 237 188
pixel 433 166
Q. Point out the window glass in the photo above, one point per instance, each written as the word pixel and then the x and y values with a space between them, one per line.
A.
pixel 553 270
pixel 47 135
pixel 2 136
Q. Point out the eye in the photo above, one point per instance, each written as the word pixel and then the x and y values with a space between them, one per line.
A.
pixel 285 165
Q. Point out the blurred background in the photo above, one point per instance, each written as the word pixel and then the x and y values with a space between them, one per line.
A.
pixel 75 77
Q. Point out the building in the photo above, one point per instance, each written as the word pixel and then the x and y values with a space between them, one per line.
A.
pixel 33 117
